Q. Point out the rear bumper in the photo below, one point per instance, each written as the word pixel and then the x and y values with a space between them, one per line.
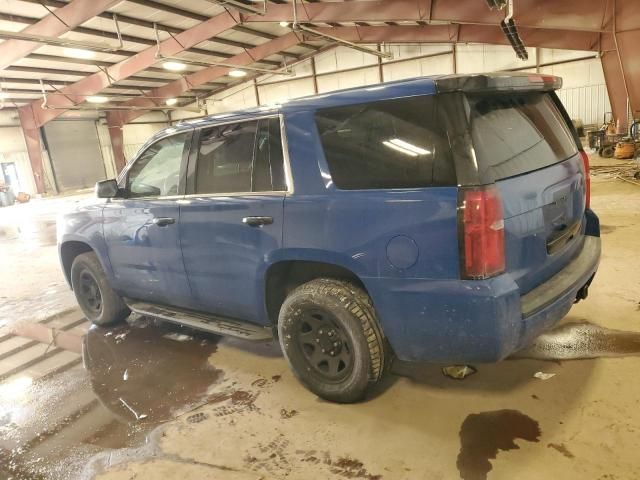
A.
pixel 475 321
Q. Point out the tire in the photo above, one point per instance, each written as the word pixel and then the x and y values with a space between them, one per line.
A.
pixel 338 317
pixel 608 151
pixel 100 304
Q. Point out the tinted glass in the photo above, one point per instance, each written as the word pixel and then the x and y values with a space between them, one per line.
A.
pixel 225 158
pixel 156 172
pixel 268 168
pixel 387 144
pixel 516 134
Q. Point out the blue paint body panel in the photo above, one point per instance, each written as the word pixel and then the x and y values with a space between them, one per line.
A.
pixel 401 243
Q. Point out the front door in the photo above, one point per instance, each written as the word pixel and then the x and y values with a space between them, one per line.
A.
pixel 232 220
pixel 141 229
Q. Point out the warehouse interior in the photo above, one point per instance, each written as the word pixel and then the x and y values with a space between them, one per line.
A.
pixel 84 86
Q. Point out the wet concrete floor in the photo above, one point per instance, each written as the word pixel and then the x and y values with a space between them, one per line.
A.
pixel 137 376
pixel 134 378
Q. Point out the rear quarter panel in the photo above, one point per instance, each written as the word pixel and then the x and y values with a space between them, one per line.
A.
pixel 356 226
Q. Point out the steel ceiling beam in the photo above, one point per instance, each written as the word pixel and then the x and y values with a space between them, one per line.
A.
pixel 117 119
pixel 66 18
pixel 490 34
pixel 127 68
pixel 572 15
pixel 138 22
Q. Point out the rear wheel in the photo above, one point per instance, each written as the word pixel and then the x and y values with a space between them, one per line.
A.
pixel 100 304
pixel 330 337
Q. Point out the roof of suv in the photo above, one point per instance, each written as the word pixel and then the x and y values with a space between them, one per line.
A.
pixel 383 91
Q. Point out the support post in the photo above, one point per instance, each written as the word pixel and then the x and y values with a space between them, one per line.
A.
pixel 117 143
pixel 33 141
pixel 615 87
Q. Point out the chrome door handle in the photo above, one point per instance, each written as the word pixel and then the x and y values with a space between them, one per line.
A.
pixel 163 221
pixel 257 221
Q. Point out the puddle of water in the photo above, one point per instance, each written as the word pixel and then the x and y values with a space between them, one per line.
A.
pixel 483 435
pixel 33 233
pixel 582 340
pixel 134 379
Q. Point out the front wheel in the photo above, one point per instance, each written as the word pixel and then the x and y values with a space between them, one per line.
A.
pixel 331 339
pixel 99 303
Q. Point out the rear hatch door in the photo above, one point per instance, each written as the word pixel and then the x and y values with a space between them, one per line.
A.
pixel 522 141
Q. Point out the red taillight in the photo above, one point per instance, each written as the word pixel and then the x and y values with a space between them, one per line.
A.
pixel 482 232
pixel 587 179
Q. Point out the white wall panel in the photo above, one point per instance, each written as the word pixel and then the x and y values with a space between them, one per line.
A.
pixel 136 135
pixel 474 58
pixel 355 78
pixel 588 104
pixel 14 150
pixel 342 58
pixel 280 92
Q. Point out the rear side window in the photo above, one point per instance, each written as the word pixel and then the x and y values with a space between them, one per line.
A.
pixel 388 144
pixel 241 157
pixel 518 133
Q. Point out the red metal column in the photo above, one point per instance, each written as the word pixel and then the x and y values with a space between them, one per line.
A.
pixel 117 142
pixel 626 36
pixel 31 134
pixel 66 18
pixel 615 87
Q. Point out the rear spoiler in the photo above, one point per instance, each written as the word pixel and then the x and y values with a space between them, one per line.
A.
pixel 499 82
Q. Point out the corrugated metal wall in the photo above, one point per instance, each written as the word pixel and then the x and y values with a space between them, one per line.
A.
pixel 588 104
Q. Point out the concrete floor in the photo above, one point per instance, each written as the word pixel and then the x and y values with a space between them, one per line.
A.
pixel 154 401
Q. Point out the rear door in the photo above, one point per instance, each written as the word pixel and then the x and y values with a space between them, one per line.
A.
pixel 141 229
pixel 232 218
pixel 522 141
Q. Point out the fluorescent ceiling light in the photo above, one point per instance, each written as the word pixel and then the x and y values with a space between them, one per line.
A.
pixel 171 101
pixel 97 99
pixel 409 146
pixel 174 66
pixel 284 24
pixel 79 53
pixel 237 73
pixel 3 95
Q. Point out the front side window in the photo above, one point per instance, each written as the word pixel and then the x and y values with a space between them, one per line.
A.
pixel 241 157
pixel 387 144
pixel 156 173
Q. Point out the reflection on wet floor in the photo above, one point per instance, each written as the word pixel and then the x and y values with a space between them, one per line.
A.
pixel 33 232
pixel 483 435
pixel 136 377
pixel 574 341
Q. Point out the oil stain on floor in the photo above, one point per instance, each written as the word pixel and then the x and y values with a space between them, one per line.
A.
pixel 574 341
pixel 484 434
pixel 134 379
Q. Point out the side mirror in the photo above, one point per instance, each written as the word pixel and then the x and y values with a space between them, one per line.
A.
pixel 107 189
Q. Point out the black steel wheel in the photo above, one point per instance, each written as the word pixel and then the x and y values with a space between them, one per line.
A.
pixel 325 344
pixel 331 339
pixel 89 292
pixel 99 303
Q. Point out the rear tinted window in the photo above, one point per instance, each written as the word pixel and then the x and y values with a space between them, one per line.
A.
pixel 387 144
pixel 516 134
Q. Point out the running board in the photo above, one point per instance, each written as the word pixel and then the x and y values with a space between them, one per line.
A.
pixel 201 321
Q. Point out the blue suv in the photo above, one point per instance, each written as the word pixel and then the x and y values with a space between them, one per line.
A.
pixel 439 219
